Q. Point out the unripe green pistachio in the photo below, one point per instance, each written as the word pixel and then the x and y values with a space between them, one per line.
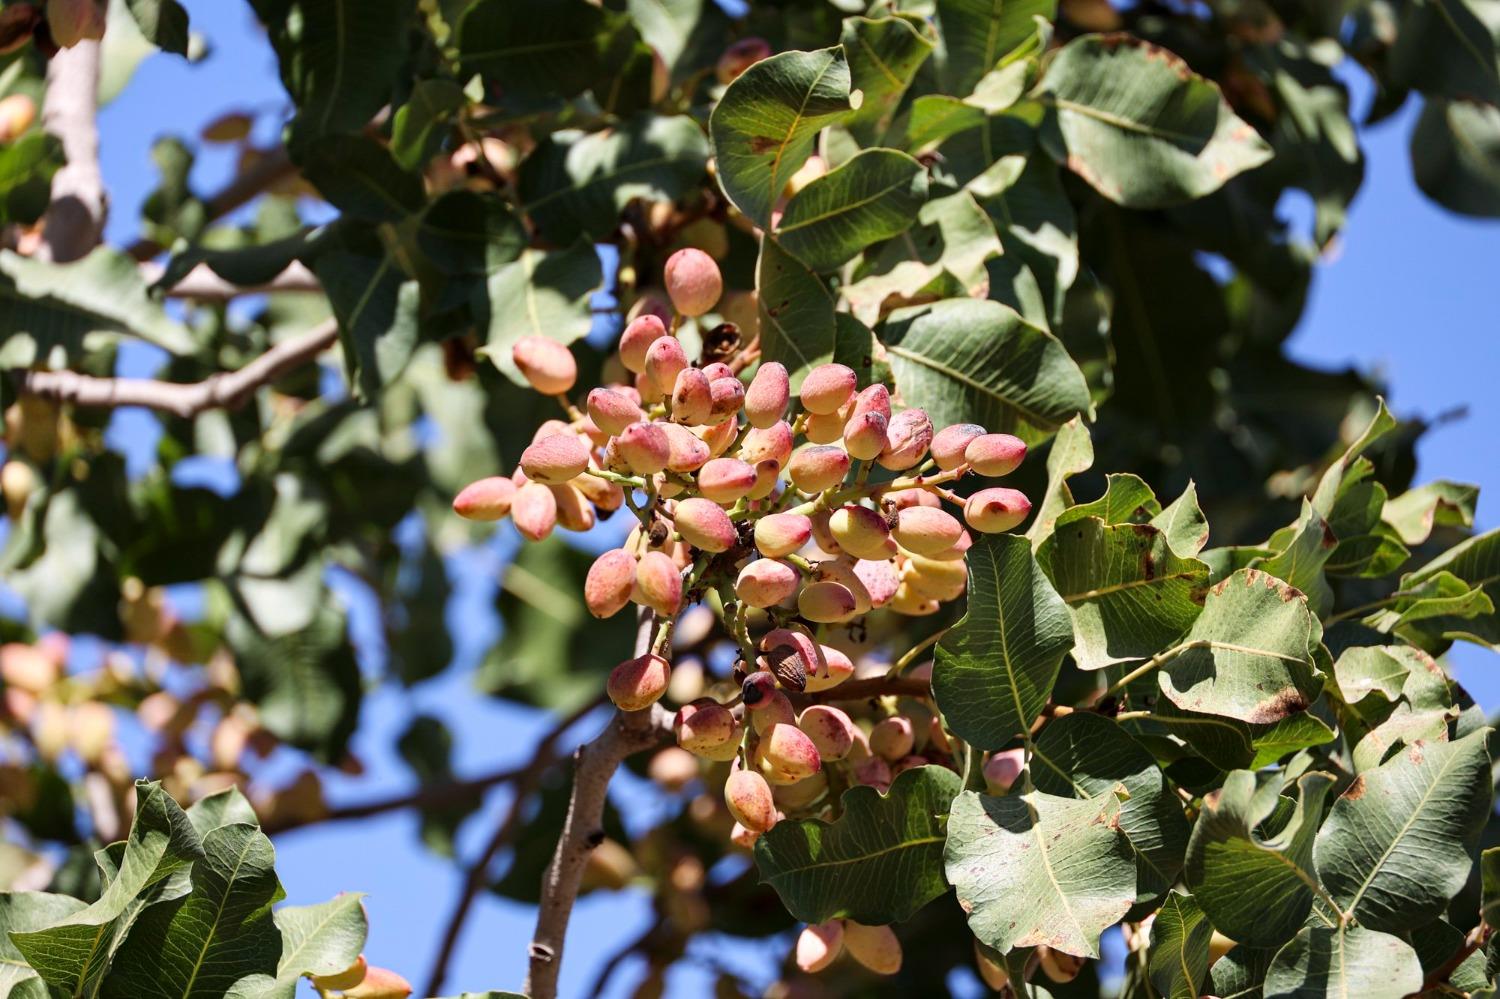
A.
pixel 827 387
pixel 705 727
pixel 861 532
pixel 941 580
pixel 379 983
pixel 487 499
pixel 546 364
pixel 346 979
pixel 719 436
pixel 609 583
pixel 800 795
pixel 841 570
pixel 909 602
pixel 638 683
pixel 825 428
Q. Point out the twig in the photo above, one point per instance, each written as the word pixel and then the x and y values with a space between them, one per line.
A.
pixel 915 651
pixel 75 218
pixel 879 686
pixel 223 390
pixel 434 796
pixel 202 284
pixel 269 168
pixel 527 779
pixel 595 762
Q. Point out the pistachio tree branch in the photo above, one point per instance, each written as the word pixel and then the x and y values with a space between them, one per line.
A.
pixel 454 792
pixel 74 221
pixel 594 763
pixel 266 170
pixel 222 390
pixel 527 781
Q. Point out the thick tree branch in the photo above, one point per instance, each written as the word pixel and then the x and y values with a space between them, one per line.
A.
pixel 879 686
pixel 627 733
pixel 527 780
pixel 74 222
pixel 431 796
pixel 268 169
pixel 202 284
pixel 224 390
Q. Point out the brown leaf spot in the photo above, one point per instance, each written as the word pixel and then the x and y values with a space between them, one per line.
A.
pixel 1280 704
pixel 1414 753
pixel 1357 789
pixel 763 144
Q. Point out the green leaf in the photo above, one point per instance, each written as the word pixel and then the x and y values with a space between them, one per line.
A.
pixel 27 912
pixel 1475 561
pixel 417 128
pixel 942 256
pixel 203 943
pixel 536 48
pixel 1351 468
pixel 1128 594
pixel 1439 596
pixel 884 55
pixel 1455 154
pixel 1344 961
pixel 541 293
pixel 668 25
pixel 1126 500
pixel 222 808
pixel 376 306
pixel 1257 887
pixel 1303 549
pixel 798 327
pixel 26 168
pixel 875 195
pixel 978 34
pixel 1448 48
pixel 55 313
pixel 321 939
pixel 764 125
pixel 306 681
pixel 470 233
pixel 577 183
pixel 1239 974
pixel 1397 843
pixel 1072 452
pixel 1035 869
pixel 72 955
pixel 360 177
pixel 994 670
pixel 1086 755
pixel 1177 962
pixel 164 23
pixel 980 362
pixel 1246 655
pixel 1139 126
pixel 1438 504
pixel 1183 522
pixel 878 863
pixel 339 59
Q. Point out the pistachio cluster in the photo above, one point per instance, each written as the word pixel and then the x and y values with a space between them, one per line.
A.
pixel 786 514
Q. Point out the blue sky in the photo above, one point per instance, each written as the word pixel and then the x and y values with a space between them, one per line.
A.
pixel 1408 295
